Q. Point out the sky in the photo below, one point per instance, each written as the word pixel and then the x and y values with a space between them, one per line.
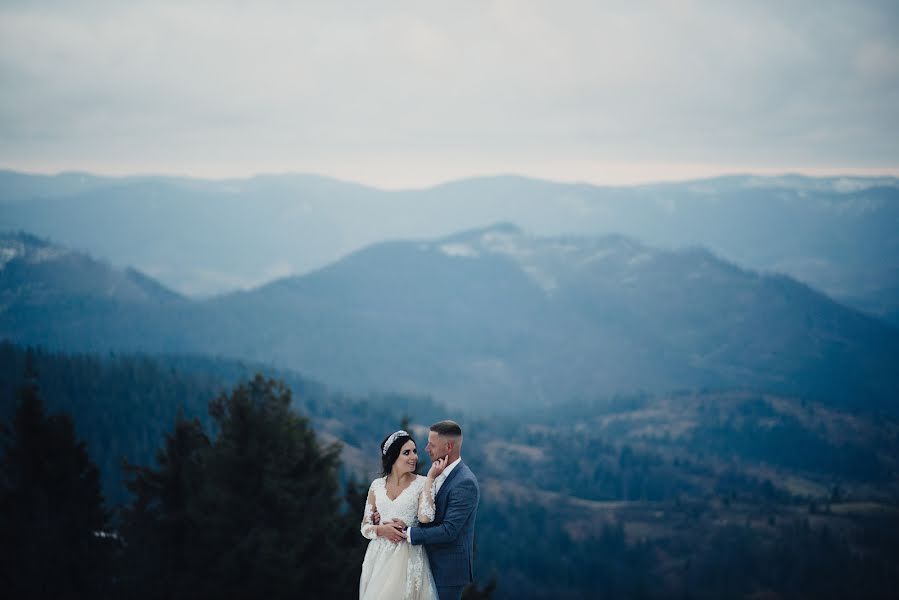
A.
pixel 413 93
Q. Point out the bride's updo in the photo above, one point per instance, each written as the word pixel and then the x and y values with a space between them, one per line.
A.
pixel 390 449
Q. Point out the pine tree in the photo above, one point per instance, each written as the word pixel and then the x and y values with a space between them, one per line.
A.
pixel 255 514
pixel 52 516
pixel 159 523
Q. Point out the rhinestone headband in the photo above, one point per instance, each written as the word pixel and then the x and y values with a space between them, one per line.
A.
pixel 392 439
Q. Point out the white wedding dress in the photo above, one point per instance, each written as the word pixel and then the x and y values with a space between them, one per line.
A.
pixel 391 570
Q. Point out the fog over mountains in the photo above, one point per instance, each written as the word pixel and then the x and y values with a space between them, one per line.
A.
pixel 493 319
pixel 839 235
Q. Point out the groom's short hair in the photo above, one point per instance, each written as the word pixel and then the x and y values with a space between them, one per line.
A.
pixel 447 428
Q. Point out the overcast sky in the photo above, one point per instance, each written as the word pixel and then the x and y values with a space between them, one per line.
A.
pixel 410 93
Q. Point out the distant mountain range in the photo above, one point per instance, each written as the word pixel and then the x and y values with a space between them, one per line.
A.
pixel 839 235
pixel 490 319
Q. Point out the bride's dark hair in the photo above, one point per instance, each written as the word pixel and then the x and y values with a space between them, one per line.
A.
pixel 393 452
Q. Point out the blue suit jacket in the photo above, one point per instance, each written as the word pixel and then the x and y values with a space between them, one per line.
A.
pixel 449 539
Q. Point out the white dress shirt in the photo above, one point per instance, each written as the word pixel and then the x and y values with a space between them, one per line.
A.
pixel 438 481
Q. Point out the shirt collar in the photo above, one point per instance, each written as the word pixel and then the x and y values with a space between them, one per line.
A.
pixel 451 466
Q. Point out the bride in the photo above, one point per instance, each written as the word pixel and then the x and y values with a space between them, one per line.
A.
pixel 392 567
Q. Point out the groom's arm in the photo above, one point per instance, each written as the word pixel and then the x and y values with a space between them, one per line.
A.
pixel 460 505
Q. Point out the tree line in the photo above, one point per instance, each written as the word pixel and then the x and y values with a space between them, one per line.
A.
pixel 239 497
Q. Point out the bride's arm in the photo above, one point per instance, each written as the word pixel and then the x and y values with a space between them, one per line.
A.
pixel 369 528
pixel 426 505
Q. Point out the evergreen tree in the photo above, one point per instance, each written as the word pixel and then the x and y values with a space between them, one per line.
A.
pixel 52 519
pixel 159 523
pixel 256 513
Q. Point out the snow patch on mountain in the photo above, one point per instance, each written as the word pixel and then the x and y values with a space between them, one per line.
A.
pixel 639 259
pixel 462 250
pixel 23 248
pixel 508 244
pixel 597 256
pixel 7 254
pixel 546 281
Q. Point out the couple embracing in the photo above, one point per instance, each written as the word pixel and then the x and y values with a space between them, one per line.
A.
pixel 421 527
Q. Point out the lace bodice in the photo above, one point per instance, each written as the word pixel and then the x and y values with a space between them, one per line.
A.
pixel 414 505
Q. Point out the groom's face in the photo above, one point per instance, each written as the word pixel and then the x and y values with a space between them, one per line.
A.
pixel 437 446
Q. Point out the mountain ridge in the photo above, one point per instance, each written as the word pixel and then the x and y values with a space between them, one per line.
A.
pixel 837 234
pixel 496 317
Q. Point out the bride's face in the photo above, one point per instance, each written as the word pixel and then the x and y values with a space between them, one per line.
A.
pixel 408 458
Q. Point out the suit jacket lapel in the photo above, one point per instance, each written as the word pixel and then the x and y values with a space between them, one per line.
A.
pixel 448 479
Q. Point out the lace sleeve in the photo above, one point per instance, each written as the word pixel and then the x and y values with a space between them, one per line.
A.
pixel 368 528
pixel 426 506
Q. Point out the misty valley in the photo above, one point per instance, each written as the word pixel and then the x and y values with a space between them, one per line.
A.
pixel 648 418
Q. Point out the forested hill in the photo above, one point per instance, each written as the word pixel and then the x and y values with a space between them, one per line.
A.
pixel 123 404
pixel 696 494
pixel 491 320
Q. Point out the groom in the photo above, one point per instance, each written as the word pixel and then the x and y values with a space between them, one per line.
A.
pixel 449 538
